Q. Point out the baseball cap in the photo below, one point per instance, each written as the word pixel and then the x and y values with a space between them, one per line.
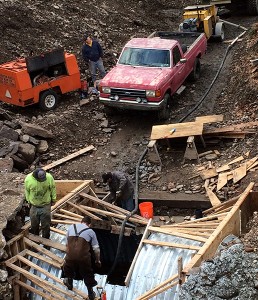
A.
pixel 40 174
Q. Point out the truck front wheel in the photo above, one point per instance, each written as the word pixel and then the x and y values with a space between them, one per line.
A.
pixel 48 100
pixel 196 73
pixel 164 113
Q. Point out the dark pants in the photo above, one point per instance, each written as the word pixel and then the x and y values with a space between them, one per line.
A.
pixel 128 204
pixel 41 216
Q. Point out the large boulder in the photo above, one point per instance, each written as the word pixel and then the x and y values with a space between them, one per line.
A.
pixel 27 151
pixel 36 130
pixel 9 133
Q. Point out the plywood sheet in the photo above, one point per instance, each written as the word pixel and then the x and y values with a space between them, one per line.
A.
pixel 236 160
pixel 223 168
pixel 222 180
pixel 209 119
pixel 206 174
pixel 239 173
pixel 181 130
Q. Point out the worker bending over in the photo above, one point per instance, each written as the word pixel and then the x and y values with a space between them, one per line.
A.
pixel 40 193
pixel 81 240
pixel 121 189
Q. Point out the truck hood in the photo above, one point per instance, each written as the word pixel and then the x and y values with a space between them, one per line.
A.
pixel 135 77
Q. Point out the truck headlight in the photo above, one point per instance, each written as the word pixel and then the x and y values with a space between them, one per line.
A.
pixel 153 93
pixel 150 93
pixel 105 90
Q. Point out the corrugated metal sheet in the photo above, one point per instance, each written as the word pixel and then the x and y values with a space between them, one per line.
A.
pixel 154 265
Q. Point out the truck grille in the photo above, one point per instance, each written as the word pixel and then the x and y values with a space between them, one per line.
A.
pixel 128 93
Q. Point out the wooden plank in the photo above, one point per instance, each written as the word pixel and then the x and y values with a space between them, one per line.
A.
pixel 49 275
pixel 251 162
pixel 145 234
pixel 253 166
pixel 116 215
pixel 206 174
pixel 213 198
pixel 223 168
pixel 238 159
pixel 68 157
pixel 43 250
pixel 57 230
pixel 47 242
pixel 230 224
pixel 43 258
pixel 222 180
pixel 172 245
pixel 222 205
pixel 210 119
pixel 179 234
pixel 33 290
pixel 66 217
pixel 181 130
pixel 148 294
pixel 111 206
pixel 84 211
pixel 239 173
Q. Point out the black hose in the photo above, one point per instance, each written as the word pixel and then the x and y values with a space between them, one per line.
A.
pixel 121 234
pixel 214 79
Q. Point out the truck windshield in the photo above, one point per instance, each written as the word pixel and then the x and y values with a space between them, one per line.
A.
pixel 145 57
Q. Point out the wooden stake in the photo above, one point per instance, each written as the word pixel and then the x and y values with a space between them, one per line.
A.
pixel 172 245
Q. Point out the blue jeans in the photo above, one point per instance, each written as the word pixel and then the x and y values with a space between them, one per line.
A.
pixel 128 204
pixel 97 65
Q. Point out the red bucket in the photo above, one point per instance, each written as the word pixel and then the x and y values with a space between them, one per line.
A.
pixel 146 209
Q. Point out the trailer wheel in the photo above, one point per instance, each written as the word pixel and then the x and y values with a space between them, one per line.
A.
pixel 196 72
pixel 252 7
pixel 164 113
pixel 220 31
pixel 48 100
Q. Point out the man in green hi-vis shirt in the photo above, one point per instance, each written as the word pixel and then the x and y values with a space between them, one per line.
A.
pixel 40 193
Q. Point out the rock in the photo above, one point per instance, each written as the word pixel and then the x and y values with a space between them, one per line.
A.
pixel 3 275
pixel 9 133
pixel 104 124
pixel 42 147
pixel 6 164
pixel 36 130
pixel 180 186
pixel 27 151
pixel 8 147
pixel 108 130
pixel 174 190
pixel 12 124
pixel 153 177
pixel 33 141
pixel 25 138
pixel 19 163
pixel 84 102
pixel 113 153
pixel 171 185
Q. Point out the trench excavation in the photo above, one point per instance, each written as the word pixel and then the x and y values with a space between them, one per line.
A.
pixel 155 260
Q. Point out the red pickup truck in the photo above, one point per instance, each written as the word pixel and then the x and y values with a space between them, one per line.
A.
pixel 150 70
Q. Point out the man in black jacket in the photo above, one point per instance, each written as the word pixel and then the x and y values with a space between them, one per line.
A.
pixel 92 53
pixel 121 189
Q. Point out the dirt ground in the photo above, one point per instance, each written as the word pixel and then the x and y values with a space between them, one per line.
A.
pixel 40 26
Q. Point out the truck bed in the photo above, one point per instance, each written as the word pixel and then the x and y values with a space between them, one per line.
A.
pixel 184 38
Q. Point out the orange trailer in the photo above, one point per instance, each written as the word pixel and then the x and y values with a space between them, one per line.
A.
pixel 39 79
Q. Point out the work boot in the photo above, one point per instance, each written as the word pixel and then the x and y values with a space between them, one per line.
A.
pixel 69 283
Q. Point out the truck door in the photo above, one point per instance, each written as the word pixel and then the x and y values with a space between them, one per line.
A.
pixel 179 72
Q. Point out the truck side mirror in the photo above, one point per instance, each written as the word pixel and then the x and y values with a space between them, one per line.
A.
pixel 183 60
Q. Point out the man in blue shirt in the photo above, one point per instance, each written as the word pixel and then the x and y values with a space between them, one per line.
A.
pixel 78 261
pixel 92 53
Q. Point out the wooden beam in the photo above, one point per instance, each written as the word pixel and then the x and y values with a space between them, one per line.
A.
pixel 43 250
pixel 224 228
pixel 150 293
pixel 179 234
pixel 172 245
pixel 43 258
pixel 49 275
pixel 145 234
pixel 224 204
pixel 213 198
pixel 68 157
pixel 33 290
pixel 82 210
pixel 57 230
pixel 209 119
pixel 116 215
pixel 67 217
pixel 47 242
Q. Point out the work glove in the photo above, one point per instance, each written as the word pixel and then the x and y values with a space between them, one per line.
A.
pixel 118 194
